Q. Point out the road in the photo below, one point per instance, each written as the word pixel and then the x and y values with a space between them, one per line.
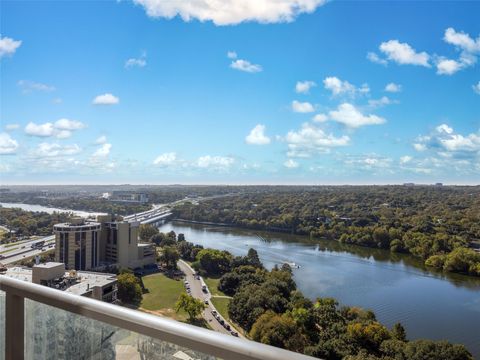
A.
pixel 196 291
pixel 23 249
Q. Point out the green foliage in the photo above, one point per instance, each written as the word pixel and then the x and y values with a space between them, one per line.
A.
pixel 193 307
pixel 129 289
pixel 399 333
pixel 214 262
pixel 460 260
pixel 146 232
pixel 169 257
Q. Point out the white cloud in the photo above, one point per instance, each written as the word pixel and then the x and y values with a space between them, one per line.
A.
pixel 405 159
pixel 61 129
pixel 103 151
pixel 448 66
pixel 291 164
pixel 257 136
pixel 302 107
pixel 215 162
pixel 311 139
pixel 232 55
pixel 40 130
pixel 106 99
pixel 165 159
pixel 66 124
pixel 246 66
pixel 101 140
pixel 338 87
pixel 137 62
pixel 8 46
pixel 350 116
pixel 54 150
pixel 303 87
pixel 373 57
pixel 393 88
pixel 383 101
pixel 476 88
pixel 320 118
pixel 403 53
pixel 28 86
pixel 230 12
pixel 446 142
pixel 7 144
pixel 462 40
pixel 11 127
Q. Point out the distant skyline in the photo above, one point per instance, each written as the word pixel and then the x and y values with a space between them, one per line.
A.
pixel 257 92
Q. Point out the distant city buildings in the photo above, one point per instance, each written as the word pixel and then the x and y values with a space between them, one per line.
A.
pixel 128 197
pixel 85 245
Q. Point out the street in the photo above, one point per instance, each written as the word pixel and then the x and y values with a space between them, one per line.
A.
pixel 196 292
pixel 23 249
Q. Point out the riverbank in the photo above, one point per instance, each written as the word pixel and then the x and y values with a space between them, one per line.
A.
pixel 395 286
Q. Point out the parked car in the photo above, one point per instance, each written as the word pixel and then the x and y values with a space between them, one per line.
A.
pixel 234 333
pixel 221 321
pixel 214 312
pixel 206 302
pixel 227 327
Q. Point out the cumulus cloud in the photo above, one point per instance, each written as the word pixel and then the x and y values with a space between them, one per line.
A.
pixel 291 164
pixel 8 46
pixel 303 87
pixel 246 66
pixel 215 162
pixel 348 115
pixel 444 141
pixel 103 151
pixel 106 99
pixel 7 144
pixel 468 48
pixel 338 87
pixel 405 159
pixel 393 88
pixel 28 86
pixel 232 55
pixel 373 57
pixel 320 118
pixel 137 62
pixel 462 40
pixel 54 150
pixel 165 159
pixel 476 88
pixel 369 162
pixel 310 139
pixel 302 107
pixel 11 127
pixel 257 136
pixel 230 12
pixel 101 140
pixel 383 101
pixel 61 129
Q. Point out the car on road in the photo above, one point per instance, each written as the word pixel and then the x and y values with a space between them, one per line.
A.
pixel 206 302
pixel 221 321
pixel 227 327
pixel 234 333
pixel 214 312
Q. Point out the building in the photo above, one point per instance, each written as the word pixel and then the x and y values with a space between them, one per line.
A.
pixel 129 197
pixel 109 241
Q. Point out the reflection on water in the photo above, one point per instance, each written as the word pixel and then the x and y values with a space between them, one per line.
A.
pixel 396 286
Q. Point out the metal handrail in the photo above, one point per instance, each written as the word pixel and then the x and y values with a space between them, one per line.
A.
pixel 189 336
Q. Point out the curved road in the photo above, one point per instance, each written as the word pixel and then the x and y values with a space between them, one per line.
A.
pixel 196 292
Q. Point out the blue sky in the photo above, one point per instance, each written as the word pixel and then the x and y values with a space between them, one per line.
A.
pixel 257 92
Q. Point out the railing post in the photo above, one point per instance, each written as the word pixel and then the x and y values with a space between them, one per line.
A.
pixel 14 327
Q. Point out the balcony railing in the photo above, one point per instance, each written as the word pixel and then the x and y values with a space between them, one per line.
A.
pixel 44 323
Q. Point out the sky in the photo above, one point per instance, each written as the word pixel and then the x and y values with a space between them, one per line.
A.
pixel 239 92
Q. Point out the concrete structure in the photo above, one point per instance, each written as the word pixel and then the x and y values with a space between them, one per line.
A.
pixel 99 286
pixel 86 245
pixel 128 196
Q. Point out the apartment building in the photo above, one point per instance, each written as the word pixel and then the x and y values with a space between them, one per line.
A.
pixel 84 244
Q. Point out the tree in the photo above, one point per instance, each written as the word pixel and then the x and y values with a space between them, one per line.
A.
pixel 169 257
pixel 214 262
pixel 180 237
pixel 146 231
pixel 193 307
pixel 129 289
pixel 398 332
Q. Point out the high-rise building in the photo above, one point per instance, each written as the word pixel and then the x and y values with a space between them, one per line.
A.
pixel 85 245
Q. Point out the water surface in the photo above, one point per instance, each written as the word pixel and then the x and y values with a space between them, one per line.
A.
pixel 396 287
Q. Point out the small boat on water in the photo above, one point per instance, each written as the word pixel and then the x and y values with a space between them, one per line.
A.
pixel 293 265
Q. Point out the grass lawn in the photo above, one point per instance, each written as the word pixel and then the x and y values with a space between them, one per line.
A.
pixel 162 294
pixel 212 284
pixel 222 305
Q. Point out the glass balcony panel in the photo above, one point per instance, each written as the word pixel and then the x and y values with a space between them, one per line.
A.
pixel 51 333
pixel 2 325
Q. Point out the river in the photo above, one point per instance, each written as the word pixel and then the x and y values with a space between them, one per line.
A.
pixel 49 210
pixel 396 287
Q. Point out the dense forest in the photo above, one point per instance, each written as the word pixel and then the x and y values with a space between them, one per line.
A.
pixel 26 223
pixel 438 224
pixel 270 309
